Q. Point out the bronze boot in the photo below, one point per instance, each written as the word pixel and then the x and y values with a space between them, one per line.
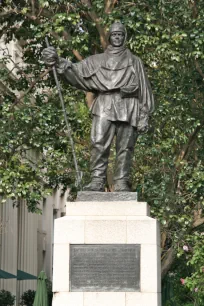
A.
pixel 122 185
pixel 96 184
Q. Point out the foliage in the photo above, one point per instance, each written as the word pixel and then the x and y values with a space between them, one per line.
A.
pixel 195 282
pixel 6 298
pixel 168 169
pixel 27 298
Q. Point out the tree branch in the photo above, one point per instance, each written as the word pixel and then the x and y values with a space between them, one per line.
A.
pixel 198 222
pixel 109 5
pixel 193 6
pixel 171 253
pixel 184 152
pixel 89 98
pixel 47 15
pixel 199 69
pixel 92 14
pixel 167 261
pixel 6 91
pixel 33 7
pixel 100 29
pixel 42 75
pixel 16 65
pixel 198 219
pixel 163 239
pixel 68 36
pixel 77 54
pixel 7 13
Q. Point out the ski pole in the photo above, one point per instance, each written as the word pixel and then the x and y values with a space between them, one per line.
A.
pixel 69 131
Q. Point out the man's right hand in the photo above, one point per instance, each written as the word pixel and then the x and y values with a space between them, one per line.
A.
pixel 50 56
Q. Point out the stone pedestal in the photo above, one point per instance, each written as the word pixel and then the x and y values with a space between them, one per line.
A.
pixel 107 223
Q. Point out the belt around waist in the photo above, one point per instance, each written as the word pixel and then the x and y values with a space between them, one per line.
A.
pixel 119 93
pixel 111 92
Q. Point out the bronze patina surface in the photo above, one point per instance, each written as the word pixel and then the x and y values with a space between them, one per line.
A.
pixel 122 105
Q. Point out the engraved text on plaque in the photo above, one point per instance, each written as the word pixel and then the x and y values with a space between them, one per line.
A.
pixel 104 267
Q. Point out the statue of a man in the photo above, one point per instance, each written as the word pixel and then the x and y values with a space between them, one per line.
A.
pixel 121 108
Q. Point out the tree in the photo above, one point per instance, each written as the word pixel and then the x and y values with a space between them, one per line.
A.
pixel 168 163
pixel 6 298
pixel 28 297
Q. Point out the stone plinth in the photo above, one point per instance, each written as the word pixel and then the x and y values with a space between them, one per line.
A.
pixel 107 222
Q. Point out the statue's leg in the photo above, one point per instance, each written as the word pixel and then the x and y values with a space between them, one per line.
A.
pixel 126 136
pixel 102 134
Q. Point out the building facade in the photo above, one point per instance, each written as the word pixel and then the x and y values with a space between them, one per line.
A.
pixel 26 239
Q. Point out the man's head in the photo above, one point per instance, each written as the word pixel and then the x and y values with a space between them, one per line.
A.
pixel 117 34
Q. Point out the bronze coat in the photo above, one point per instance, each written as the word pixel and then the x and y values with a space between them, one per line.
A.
pixel 118 79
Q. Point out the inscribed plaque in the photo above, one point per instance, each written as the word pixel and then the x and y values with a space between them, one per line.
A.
pixel 104 267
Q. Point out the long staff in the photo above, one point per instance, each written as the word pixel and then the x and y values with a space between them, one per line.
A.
pixel 69 131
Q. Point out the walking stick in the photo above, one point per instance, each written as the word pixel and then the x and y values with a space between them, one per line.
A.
pixel 69 131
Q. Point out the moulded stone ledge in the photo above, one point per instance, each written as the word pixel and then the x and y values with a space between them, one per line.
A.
pixel 143 299
pixel 68 299
pixel 111 208
pixel 106 299
pixel 107 229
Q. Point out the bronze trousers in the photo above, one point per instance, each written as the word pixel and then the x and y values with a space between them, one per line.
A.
pixel 102 134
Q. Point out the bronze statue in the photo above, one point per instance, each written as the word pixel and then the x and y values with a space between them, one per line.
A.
pixel 121 108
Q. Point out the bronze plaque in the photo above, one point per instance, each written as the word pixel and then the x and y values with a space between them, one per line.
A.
pixel 104 267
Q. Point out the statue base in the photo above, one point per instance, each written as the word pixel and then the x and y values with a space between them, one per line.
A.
pixel 106 253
